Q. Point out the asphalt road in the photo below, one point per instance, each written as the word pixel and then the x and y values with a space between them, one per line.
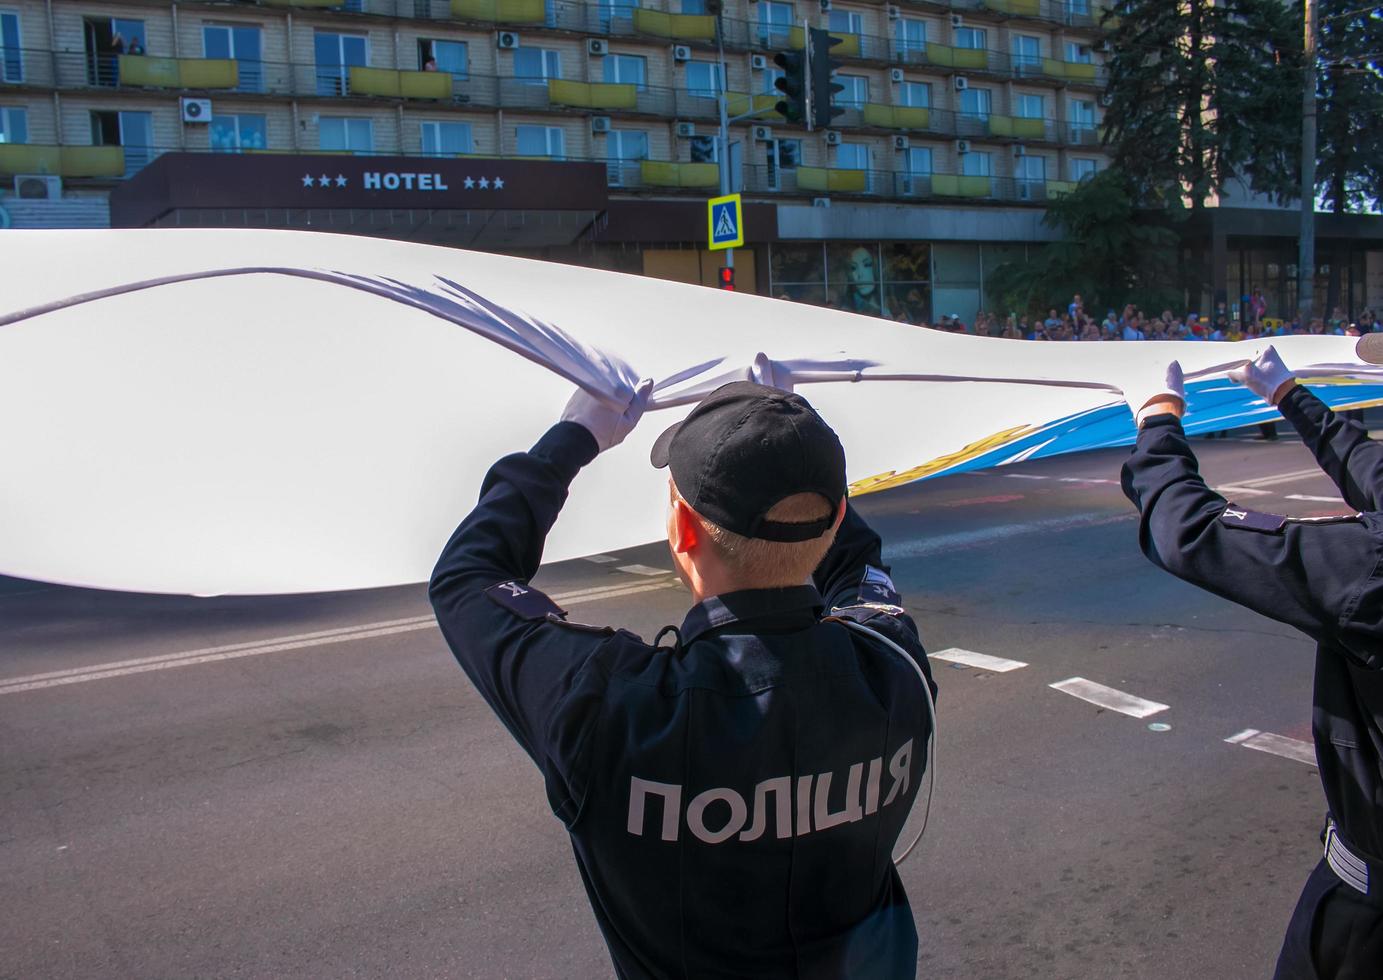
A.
pixel 308 786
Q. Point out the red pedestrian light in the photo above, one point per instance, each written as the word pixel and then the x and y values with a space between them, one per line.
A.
pixel 727 278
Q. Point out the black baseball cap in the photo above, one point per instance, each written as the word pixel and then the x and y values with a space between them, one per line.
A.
pixel 745 448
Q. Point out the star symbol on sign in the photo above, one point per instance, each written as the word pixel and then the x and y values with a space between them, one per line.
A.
pixel 324 180
pixel 340 181
pixel 307 180
pixel 499 183
pixel 484 183
pixel 468 183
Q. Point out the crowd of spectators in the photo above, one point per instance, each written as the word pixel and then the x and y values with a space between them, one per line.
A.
pixel 1076 323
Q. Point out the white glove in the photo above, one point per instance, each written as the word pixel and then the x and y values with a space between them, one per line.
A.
pixel 770 373
pixel 607 425
pixel 1267 377
pixel 1154 391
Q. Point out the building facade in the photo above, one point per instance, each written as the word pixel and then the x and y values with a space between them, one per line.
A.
pixel 961 120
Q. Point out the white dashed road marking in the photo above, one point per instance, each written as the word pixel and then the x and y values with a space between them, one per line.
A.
pixel 1276 478
pixel 643 570
pixel 601 559
pixel 1279 745
pixel 1108 697
pixel 1024 476
pixel 1242 492
pixel 283 644
pixel 980 661
pixel 1307 496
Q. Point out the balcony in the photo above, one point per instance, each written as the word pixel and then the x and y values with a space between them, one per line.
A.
pixel 500 11
pixel 657 174
pixel 1071 71
pixel 1014 8
pixel 392 84
pixel 677 27
pixel 1020 128
pixel 965 59
pixel 64 161
pixel 195 73
pixel 593 95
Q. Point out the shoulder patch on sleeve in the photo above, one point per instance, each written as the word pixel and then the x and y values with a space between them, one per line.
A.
pixel 1252 520
pixel 861 612
pixel 524 601
pixel 877 587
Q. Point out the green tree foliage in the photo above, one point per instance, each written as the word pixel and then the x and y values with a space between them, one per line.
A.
pixel 1108 253
pixel 1349 159
pixel 1201 91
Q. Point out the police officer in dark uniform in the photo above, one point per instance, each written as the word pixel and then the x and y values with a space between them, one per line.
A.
pixel 733 795
pixel 1325 577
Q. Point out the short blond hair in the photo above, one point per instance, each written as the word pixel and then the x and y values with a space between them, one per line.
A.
pixel 755 563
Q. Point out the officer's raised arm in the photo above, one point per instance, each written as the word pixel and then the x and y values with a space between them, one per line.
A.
pixel 1342 447
pixel 510 638
pixel 1316 576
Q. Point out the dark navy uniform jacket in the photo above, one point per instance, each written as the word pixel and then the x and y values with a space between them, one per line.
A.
pixel 732 801
pixel 1323 577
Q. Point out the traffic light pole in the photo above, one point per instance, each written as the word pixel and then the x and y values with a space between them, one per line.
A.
pixel 1306 243
pixel 723 157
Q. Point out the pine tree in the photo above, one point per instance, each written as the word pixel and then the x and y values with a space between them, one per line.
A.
pixel 1349 158
pixel 1202 91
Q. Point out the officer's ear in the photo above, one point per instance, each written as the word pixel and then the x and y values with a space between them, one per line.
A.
pixel 683 528
pixel 840 514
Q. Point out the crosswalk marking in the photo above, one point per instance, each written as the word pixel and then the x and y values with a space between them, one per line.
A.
pixel 1108 697
pixel 980 661
pixel 1278 745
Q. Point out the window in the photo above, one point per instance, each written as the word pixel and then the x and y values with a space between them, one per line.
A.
pixel 971 37
pixel 694 7
pixel 703 79
pixel 775 22
pixel 345 133
pixel 14 124
pixel 912 34
pixel 1027 52
pixel 240 43
pixel 1078 8
pixel 919 160
pixel 1081 168
pixel 11 53
pixel 616 10
pixel 918 95
pixel 1031 107
pixel 976 163
pixel 626 69
pixel 107 38
pixel 534 66
pixel 789 153
pixel 233 133
pixel 855 93
pixel 845 22
pixel 1080 113
pixel 1030 169
pixel 444 139
pixel 132 130
pixel 448 56
pixel 540 141
pixel 335 54
pixel 975 103
pixel 704 149
pixel 624 148
pixel 771 76
pixel 852 156
pixel 1078 53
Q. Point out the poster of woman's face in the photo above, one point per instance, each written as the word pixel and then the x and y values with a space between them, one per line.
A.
pixel 853 276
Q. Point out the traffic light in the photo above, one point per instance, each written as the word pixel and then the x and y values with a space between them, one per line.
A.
pixel 793 85
pixel 823 67
pixel 727 278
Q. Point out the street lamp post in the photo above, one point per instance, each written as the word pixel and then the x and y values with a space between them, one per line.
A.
pixel 1306 257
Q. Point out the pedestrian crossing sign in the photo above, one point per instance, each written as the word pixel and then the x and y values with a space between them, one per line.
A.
pixel 725 222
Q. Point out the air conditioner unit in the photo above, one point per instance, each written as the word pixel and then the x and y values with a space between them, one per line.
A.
pixel 598 46
pixel 680 52
pixel 821 202
pixel 894 13
pixel 600 124
pixel 832 137
pixel 957 20
pixel 686 130
pixel 38 187
pixel 962 146
pixel 763 134
pixel 900 142
pixel 961 83
pixel 825 6
pixel 196 110
pixel 895 74
pixel 758 62
pixel 507 39
pixel 1019 150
